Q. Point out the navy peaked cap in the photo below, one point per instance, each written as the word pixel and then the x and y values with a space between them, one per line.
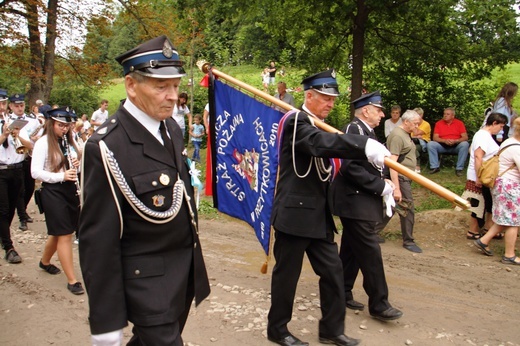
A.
pixel 323 82
pixel 17 98
pixel 156 58
pixel 61 114
pixel 3 95
pixel 373 99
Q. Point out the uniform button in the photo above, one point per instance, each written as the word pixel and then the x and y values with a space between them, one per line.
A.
pixel 113 121
pixel 137 272
pixel 194 245
pixel 154 183
pixel 301 203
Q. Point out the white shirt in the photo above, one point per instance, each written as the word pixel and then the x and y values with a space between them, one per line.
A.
pixel 8 156
pixel 390 126
pixel 40 164
pixel 99 116
pixel 29 128
pixel 179 115
pixel 483 140
pixel 507 158
pixel 149 123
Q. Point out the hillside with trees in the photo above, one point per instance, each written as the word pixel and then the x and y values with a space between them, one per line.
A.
pixel 431 54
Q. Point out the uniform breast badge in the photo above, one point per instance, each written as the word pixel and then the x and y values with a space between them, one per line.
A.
pixel 158 200
pixel 164 179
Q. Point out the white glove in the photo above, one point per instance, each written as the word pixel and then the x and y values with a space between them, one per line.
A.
pixel 389 188
pixel 376 152
pixel 390 202
pixel 108 339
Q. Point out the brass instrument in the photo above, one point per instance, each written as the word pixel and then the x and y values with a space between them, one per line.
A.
pixel 35 132
pixel 69 158
pixel 19 147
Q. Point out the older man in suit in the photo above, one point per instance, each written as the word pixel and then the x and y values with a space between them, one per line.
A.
pixel 301 215
pixel 357 198
pixel 139 249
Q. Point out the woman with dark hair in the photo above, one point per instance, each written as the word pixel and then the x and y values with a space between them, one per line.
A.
pixel 56 166
pixel 482 148
pixel 506 200
pixel 181 111
pixel 504 104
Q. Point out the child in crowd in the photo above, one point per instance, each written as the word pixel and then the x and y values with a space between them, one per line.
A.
pixel 197 132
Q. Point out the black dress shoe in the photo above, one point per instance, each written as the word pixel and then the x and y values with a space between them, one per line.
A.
pixel 289 340
pixel 29 219
pixel 23 226
pixel 435 170
pixel 388 315
pixel 354 305
pixel 340 340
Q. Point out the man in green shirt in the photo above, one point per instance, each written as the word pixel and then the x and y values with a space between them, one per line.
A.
pixel 402 148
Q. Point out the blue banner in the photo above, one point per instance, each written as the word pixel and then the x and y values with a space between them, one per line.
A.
pixel 246 158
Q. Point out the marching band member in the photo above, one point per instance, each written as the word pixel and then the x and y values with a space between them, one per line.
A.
pixel 54 165
pixel 11 178
pixel 17 106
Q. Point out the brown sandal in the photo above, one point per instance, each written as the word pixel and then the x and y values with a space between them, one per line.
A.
pixel 472 236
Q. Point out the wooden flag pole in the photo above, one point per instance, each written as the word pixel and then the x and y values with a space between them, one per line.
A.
pixel 421 180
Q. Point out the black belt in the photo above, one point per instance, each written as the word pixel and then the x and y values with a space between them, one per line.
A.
pixel 13 166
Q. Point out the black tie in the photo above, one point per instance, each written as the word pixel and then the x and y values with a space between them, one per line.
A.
pixel 166 140
pixel 6 142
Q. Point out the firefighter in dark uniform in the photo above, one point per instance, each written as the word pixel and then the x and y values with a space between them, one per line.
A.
pixel 301 216
pixel 138 236
pixel 357 195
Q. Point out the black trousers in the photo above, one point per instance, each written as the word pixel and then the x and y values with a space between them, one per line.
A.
pixel 360 250
pixel 323 256
pixel 11 181
pixel 165 334
pixel 26 192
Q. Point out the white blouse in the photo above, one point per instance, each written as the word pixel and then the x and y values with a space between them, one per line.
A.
pixel 40 165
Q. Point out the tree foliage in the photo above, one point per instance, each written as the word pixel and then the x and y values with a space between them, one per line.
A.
pixel 29 30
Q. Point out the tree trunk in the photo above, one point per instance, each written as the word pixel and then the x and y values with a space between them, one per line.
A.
pixel 50 48
pixel 35 49
pixel 41 62
pixel 358 44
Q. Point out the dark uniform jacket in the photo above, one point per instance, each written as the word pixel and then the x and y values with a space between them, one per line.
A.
pixel 356 190
pixel 300 203
pixel 134 269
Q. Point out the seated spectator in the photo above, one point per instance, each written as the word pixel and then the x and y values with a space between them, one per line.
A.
pixel 449 137
pixel 394 121
pixel 284 96
pixel 421 136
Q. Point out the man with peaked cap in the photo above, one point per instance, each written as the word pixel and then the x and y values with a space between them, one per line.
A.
pixel 139 248
pixel 301 215
pixel 17 106
pixel 357 197
pixel 3 105
pixel 11 177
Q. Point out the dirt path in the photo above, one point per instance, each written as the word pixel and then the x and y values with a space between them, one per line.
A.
pixel 450 294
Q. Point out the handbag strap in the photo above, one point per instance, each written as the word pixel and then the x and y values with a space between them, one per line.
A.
pixel 500 152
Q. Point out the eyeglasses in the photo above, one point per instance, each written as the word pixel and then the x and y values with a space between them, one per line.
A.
pixel 62 125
